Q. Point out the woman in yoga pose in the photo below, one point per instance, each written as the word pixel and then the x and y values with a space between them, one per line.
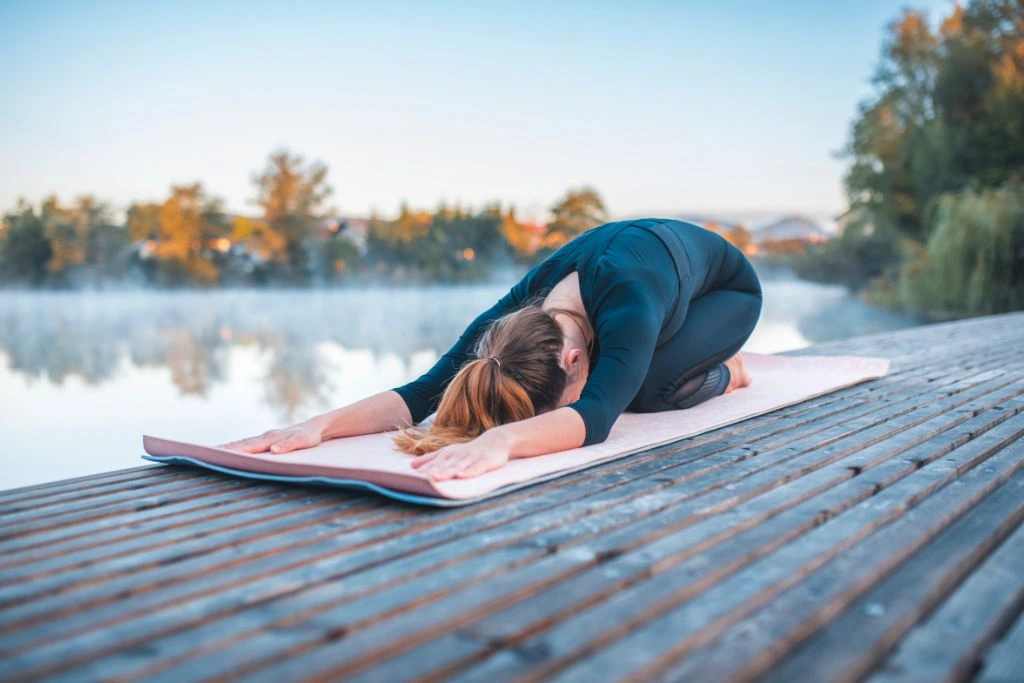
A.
pixel 645 315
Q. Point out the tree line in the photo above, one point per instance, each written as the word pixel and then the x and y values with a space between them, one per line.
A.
pixel 189 240
pixel 936 179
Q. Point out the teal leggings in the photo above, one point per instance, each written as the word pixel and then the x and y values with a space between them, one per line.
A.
pixel 688 368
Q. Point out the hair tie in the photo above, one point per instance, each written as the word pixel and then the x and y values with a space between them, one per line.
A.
pixel 495 359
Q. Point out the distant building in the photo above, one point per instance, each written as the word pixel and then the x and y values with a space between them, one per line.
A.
pixel 789 235
pixel 791 229
pixel 353 229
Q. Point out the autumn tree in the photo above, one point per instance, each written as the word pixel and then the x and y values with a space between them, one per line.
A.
pixel 188 221
pixel 936 155
pixel 578 211
pixel 292 195
pixel 143 221
pixel 523 238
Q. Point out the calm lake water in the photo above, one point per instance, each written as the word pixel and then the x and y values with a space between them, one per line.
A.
pixel 83 375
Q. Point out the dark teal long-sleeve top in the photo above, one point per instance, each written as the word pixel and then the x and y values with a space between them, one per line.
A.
pixel 636 280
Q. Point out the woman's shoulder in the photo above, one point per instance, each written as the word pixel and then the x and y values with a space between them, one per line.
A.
pixel 633 267
pixel 608 252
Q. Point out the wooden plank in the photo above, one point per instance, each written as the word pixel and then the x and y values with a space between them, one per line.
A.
pixel 853 644
pixel 713 541
pixel 225 564
pixel 345 609
pixel 762 639
pixel 80 511
pixel 135 479
pixel 84 483
pixel 99 494
pixel 35 583
pixel 778 468
pixel 818 497
pixel 948 645
pixel 133 525
pixel 140 505
pixel 647 623
pixel 510 542
pixel 1005 662
pixel 202 520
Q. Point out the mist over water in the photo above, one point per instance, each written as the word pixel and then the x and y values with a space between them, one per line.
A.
pixel 84 374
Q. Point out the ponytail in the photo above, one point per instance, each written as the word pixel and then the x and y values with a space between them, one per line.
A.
pixel 478 398
pixel 516 375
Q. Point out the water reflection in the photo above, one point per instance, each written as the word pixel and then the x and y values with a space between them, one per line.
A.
pixel 55 336
pixel 296 377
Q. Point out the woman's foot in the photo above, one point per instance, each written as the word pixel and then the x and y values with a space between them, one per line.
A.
pixel 738 375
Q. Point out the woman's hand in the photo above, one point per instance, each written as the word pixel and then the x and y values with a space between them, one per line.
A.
pixel 463 460
pixel 302 435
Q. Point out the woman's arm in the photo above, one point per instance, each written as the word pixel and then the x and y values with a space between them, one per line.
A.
pixel 558 430
pixel 627 334
pixel 399 407
pixel 378 413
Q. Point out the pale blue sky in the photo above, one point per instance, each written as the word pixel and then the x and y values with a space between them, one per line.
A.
pixel 726 105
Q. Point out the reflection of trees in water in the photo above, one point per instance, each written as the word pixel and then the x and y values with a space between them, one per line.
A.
pixel 194 359
pixel 43 342
pixel 297 376
pixel 59 335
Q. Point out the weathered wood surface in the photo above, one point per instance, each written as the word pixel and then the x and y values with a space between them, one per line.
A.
pixel 874 533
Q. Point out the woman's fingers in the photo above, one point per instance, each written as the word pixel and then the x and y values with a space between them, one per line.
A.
pixel 277 440
pixel 434 463
pixel 259 444
pixel 458 466
pixel 290 443
pixel 253 444
pixel 422 460
pixel 473 468
pixel 452 463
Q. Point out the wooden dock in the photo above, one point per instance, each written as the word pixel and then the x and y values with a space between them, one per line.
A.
pixel 875 533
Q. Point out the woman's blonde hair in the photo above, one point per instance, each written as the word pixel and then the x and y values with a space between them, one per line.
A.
pixel 515 375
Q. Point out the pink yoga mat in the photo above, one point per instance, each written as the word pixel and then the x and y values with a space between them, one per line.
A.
pixel 371 461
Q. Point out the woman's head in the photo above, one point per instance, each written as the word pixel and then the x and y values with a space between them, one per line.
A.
pixel 517 373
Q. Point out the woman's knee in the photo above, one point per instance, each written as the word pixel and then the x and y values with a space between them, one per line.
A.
pixel 750 305
pixel 686 392
pixel 743 277
pixel 649 404
pixel 652 398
